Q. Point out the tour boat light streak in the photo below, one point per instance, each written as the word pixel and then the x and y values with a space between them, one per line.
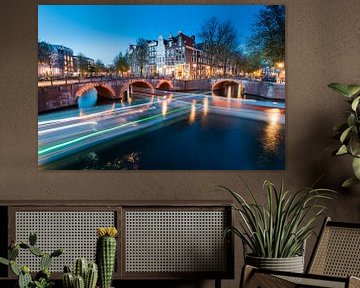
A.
pixel 157 117
pixel 66 127
pixel 62 137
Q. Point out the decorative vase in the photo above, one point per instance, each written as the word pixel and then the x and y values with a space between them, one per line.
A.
pixel 291 264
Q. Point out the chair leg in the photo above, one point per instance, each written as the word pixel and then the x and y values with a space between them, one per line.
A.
pixel 217 283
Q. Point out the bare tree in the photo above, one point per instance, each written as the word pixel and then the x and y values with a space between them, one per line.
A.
pixel 220 41
pixel 238 60
pixel 209 36
pixel 141 54
pixel 226 43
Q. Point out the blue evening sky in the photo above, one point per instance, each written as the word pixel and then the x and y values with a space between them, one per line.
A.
pixel 101 31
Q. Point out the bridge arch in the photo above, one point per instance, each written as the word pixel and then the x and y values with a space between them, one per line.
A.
pixel 222 84
pixel 103 90
pixel 165 85
pixel 143 83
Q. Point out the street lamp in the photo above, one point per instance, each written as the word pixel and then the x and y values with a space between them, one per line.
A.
pixel 280 65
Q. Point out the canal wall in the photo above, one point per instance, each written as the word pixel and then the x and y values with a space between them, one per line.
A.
pixel 191 85
pixel 267 90
pixel 56 97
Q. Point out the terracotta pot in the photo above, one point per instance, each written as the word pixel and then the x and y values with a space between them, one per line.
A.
pixel 291 264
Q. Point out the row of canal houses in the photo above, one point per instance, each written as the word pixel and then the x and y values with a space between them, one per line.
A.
pixel 178 57
pixel 64 62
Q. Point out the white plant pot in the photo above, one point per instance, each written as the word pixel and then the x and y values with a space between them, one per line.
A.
pixel 291 264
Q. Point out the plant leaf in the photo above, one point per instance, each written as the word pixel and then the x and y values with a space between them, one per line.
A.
pixel 355 103
pixel 351 119
pixel 354 145
pixel 340 88
pixel 356 167
pixel 345 134
pixel 4 261
pixel 342 150
pixel 349 182
pixel 353 89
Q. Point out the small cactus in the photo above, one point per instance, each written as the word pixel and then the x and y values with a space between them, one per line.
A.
pixel 36 251
pixel 80 268
pixel 24 280
pixel 14 268
pixel 91 276
pixel 79 282
pixel 13 253
pixel 68 280
pixel 106 254
pixel 89 272
pixel 32 239
pixel 42 278
pixel 67 269
pixel 45 261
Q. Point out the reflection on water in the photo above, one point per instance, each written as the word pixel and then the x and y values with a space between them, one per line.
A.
pixel 170 97
pixel 164 108
pixel 206 106
pixel 228 93
pixel 150 132
pixel 192 111
pixel 271 138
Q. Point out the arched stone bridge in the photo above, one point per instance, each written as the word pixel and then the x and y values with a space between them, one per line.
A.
pixel 118 89
pixel 59 96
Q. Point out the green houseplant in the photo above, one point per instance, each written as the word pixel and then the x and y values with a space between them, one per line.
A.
pixel 348 132
pixel 276 233
pixel 42 278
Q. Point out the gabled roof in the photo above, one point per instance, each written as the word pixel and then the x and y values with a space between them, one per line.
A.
pixel 187 40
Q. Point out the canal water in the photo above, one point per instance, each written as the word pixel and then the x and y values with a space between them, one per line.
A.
pixel 207 134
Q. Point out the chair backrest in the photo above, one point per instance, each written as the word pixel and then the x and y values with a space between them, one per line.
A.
pixel 337 251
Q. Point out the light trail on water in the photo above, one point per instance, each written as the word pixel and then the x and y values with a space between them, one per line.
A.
pixel 62 134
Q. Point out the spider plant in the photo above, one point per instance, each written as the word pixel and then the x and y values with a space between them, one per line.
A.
pixel 280 229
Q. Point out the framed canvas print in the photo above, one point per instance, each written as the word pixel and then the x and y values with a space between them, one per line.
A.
pixel 161 87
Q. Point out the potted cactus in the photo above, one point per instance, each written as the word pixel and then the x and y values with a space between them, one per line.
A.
pixel 42 278
pixel 85 275
pixel 106 254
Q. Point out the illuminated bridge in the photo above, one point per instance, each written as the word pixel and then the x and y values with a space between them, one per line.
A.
pixel 60 96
